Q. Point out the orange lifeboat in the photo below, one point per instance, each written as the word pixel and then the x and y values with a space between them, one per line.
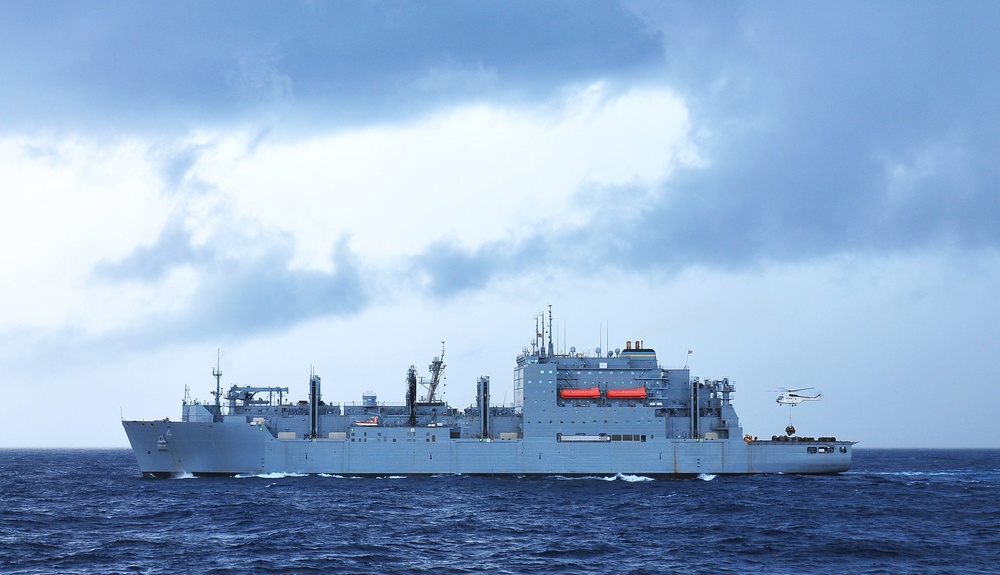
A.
pixel 637 393
pixel 370 422
pixel 574 393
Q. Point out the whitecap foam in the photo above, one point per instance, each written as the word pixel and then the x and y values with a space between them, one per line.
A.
pixel 706 476
pixel 615 477
pixel 633 478
pixel 274 475
pixel 626 477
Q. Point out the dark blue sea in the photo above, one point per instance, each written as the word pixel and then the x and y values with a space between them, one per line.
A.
pixel 896 511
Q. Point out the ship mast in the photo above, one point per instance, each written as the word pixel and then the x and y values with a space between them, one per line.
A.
pixel 551 350
pixel 539 326
pixel 217 372
pixel 437 368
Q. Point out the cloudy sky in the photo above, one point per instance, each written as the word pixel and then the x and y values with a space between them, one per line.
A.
pixel 805 194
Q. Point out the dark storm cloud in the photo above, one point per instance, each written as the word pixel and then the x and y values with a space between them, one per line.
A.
pixel 245 292
pixel 829 130
pixel 151 263
pixel 126 65
pixel 263 294
pixel 448 271
pixel 862 129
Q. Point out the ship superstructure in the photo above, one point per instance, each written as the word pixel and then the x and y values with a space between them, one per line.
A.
pixel 588 413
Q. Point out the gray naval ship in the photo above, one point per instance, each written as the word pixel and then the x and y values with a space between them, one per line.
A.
pixel 574 414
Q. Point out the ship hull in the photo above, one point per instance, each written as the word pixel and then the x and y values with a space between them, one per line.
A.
pixel 572 414
pixel 165 449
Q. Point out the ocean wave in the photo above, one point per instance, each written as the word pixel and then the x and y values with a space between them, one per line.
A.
pixel 963 474
pixel 104 517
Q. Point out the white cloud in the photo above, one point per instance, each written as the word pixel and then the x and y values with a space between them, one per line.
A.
pixel 67 205
pixel 469 175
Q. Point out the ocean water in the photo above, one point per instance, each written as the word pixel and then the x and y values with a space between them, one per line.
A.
pixel 896 511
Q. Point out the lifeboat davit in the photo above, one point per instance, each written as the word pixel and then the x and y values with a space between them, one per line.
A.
pixel 636 393
pixel 575 393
